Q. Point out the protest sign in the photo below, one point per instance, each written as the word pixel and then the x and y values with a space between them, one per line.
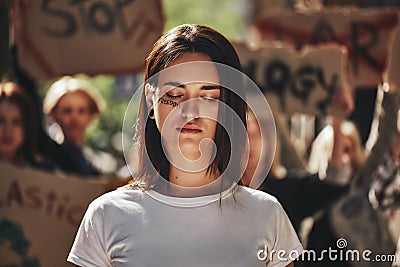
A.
pixel 365 33
pixel 60 37
pixel 40 215
pixel 296 81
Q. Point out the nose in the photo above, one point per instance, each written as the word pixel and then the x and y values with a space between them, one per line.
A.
pixel 190 109
pixel 75 115
pixel 5 128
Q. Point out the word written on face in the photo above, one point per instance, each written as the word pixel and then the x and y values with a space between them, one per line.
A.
pixel 167 102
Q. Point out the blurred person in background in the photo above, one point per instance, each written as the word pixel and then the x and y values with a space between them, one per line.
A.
pixel 353 156
pixel 351 159
pixel 19 128
pixel 384 193
pixel 352 217
pixel 304 194
pixel 300 192
pixel 73 104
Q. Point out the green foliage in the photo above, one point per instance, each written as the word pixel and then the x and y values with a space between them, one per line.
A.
pixel 110 122
pixel 225 16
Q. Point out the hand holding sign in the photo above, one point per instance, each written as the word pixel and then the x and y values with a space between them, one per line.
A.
pixel 343 98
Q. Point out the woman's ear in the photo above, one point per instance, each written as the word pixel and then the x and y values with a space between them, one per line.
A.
pixel 149 91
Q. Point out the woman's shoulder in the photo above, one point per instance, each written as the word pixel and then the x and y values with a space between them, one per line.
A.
pixel 121 199
pixel 259 204
pixel 256 196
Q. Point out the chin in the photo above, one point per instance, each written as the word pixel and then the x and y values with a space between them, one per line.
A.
pixel 190 155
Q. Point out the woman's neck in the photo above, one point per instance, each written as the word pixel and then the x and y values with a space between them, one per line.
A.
pixel 191 179
pixel 193 184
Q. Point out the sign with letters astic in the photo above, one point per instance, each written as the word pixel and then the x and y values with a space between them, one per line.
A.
pixel 40 214
pixel 63 37
pixel 365 33
pixel 296 81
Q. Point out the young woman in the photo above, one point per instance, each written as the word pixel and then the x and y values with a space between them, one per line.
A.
pixel 18 128
pixel 185 208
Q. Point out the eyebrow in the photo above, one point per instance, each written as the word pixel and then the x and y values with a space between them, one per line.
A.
pixel 205 87
pixel 174 84
pixel 211 87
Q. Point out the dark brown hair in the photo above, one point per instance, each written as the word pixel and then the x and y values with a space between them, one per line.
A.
pixel 189 38
pixel 11 92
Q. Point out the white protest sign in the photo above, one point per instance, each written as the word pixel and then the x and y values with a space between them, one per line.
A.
pixel 294 81
pixel 40 215
pixel 365 33
pixel 60 37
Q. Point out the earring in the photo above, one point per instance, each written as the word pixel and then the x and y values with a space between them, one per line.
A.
pixel 151 114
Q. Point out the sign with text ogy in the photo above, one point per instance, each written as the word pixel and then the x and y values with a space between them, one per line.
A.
pixel 293 81
pixel 60 37
pixel 39 215
pixel 365 33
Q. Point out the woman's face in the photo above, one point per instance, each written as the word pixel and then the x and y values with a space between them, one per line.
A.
pixel 73 114
pixel 185 104
pixel 11 129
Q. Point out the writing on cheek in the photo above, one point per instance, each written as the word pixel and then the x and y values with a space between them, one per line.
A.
pixel 167 102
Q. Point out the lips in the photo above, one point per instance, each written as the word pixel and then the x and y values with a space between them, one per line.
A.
pixel 190 128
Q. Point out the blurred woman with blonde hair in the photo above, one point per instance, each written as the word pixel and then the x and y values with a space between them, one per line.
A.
pixel 73 104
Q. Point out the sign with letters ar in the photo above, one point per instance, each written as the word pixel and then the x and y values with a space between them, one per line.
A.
pixel 365 33
pixel 294 81
pixel 39 215
pixel 60 37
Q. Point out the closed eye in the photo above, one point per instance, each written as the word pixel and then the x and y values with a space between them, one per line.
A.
pixel 210 99
pixel 173 96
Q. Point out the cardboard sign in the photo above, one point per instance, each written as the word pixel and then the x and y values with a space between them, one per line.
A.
pixel 365 33
pixel 40 215
pixel 392 76
pixel 295 81
pixel 60 37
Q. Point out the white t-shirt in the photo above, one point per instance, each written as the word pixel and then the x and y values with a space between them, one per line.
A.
pixel 127 227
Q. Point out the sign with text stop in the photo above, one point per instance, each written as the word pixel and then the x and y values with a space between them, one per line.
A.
pixel 60 37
